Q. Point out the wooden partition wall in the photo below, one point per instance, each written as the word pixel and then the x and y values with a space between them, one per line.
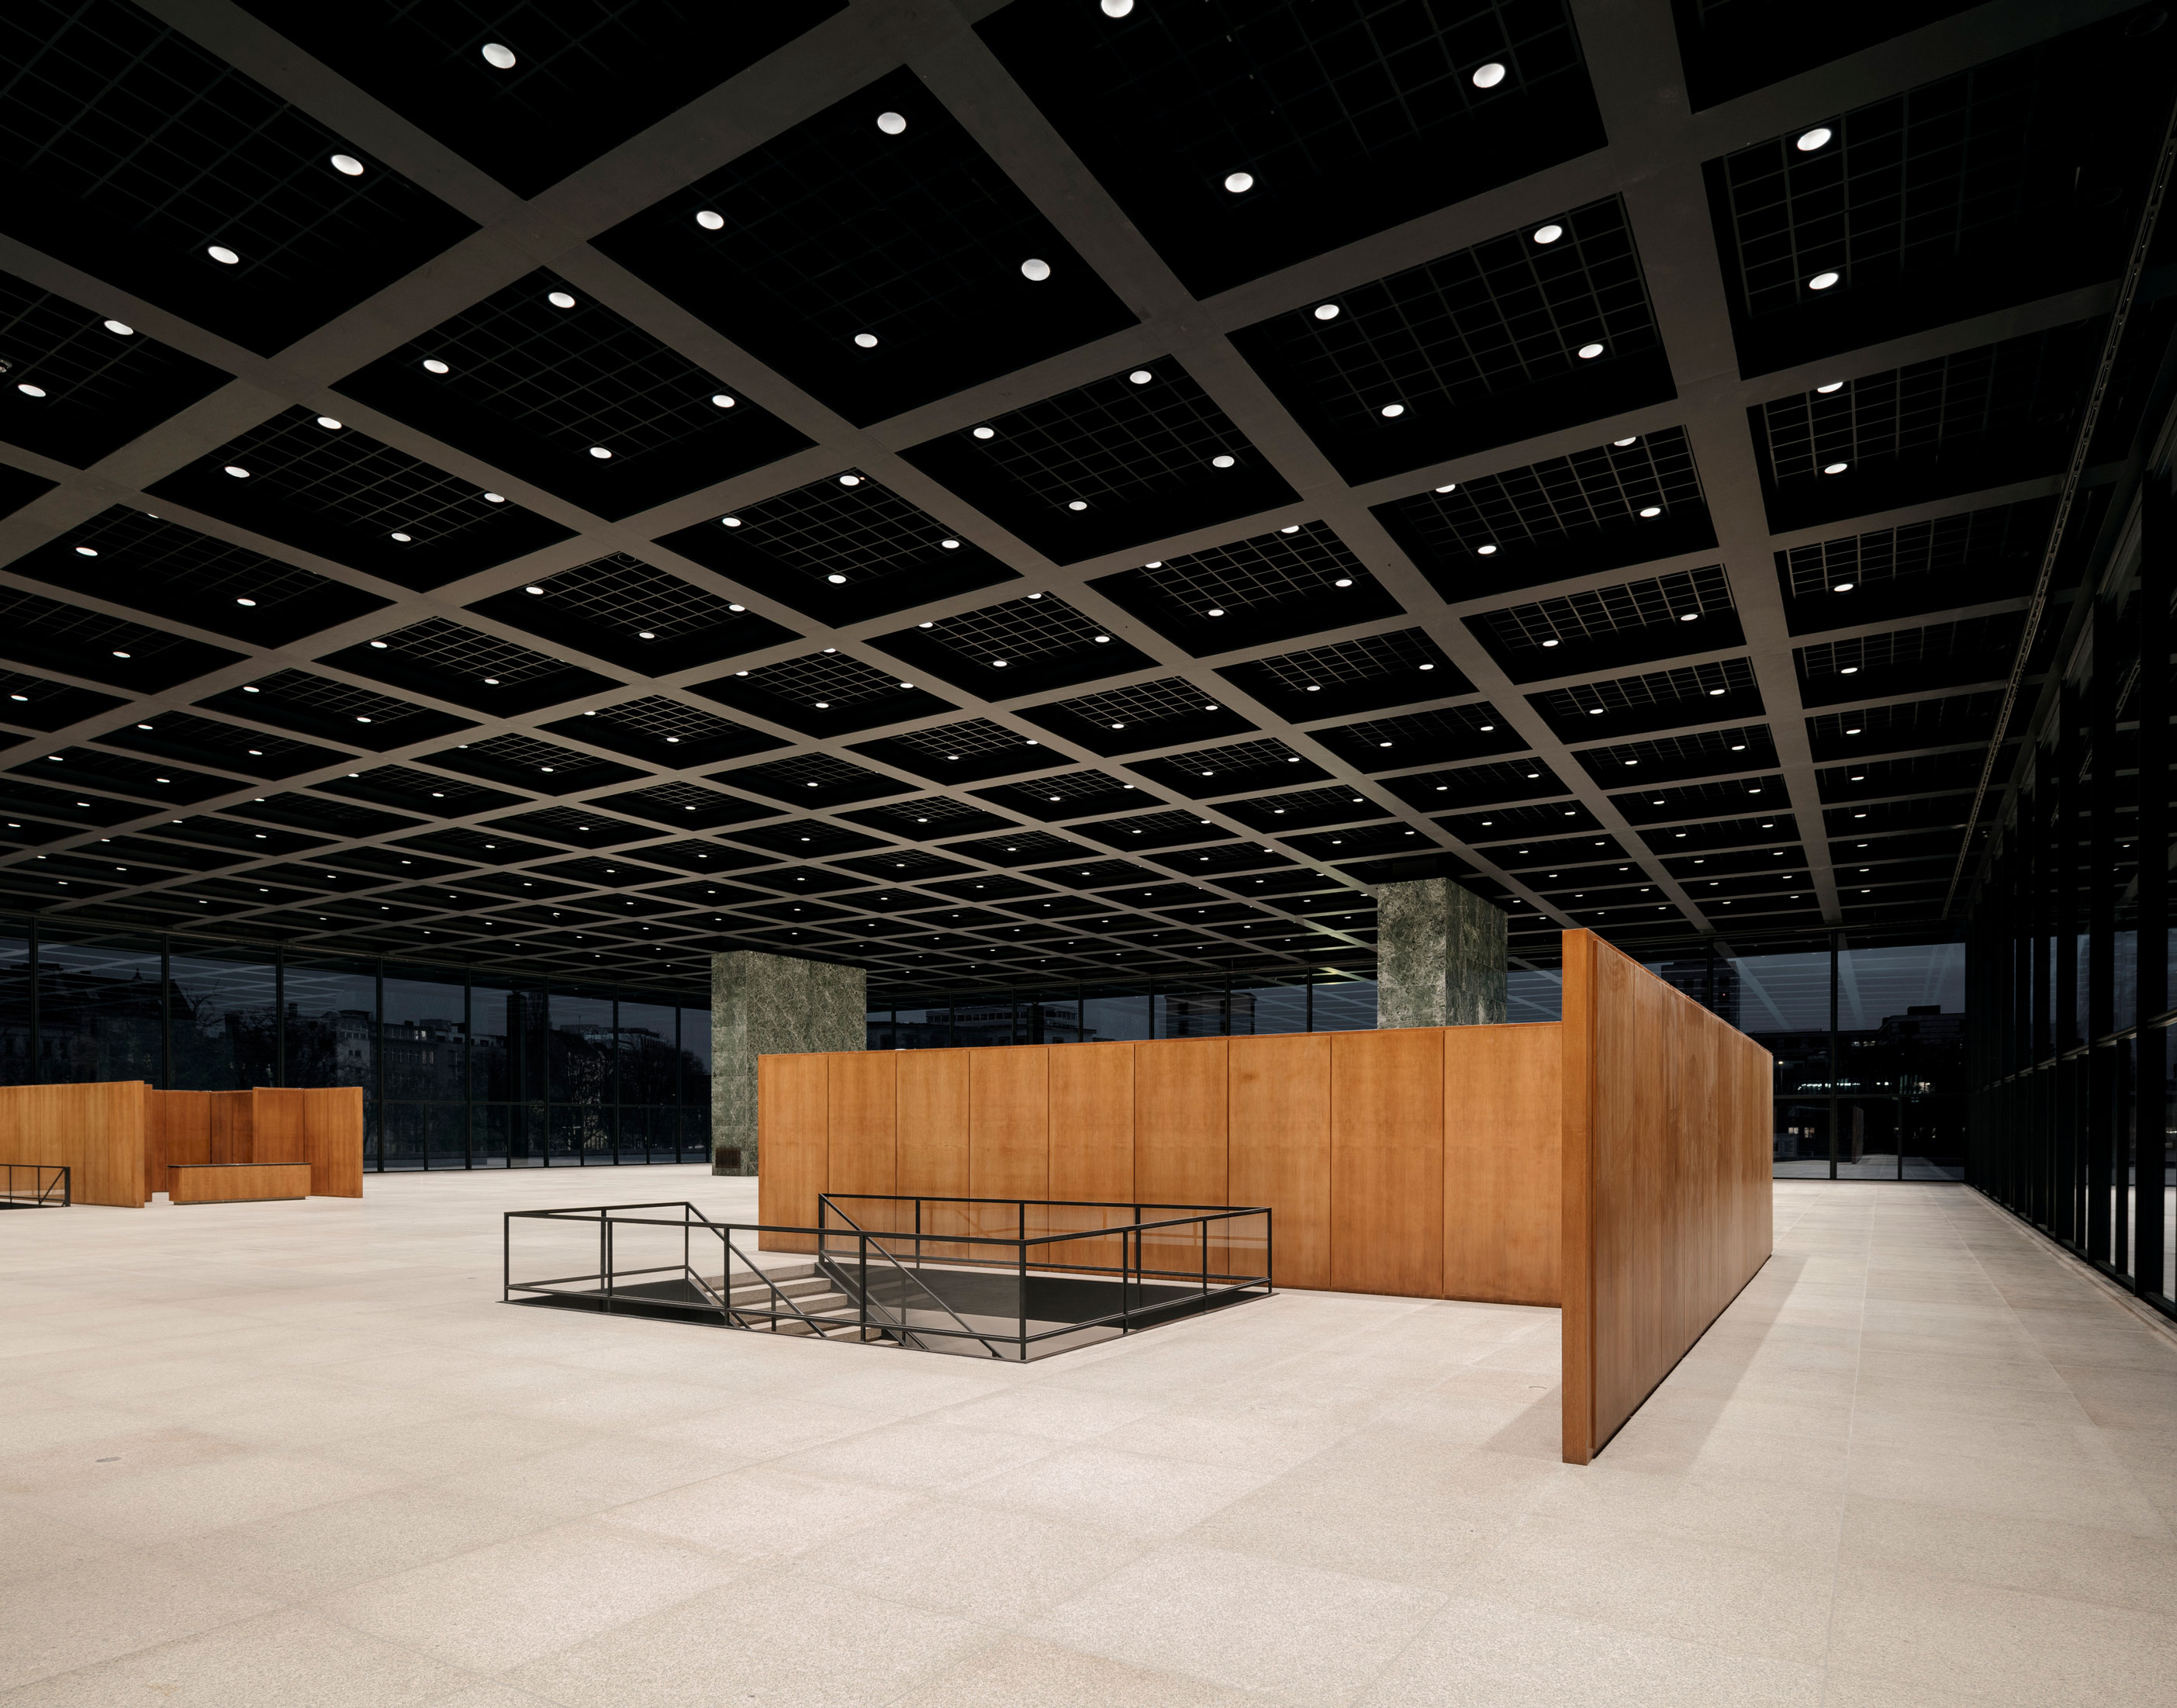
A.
pixel 1666 1182
pixel 118 1137
pixel 1421 1162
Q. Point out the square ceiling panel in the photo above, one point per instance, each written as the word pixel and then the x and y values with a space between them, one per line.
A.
pixel 1537 329
pixel 1900 662
pixel 196 740
pixel 421 791
pixel 523 762
pixel 1504 781
pixel 2015 179
pixel 87 768
pixel 544 381
pixel 1964 423
pixel 812 780
pixel 931 817
pixel 1604 628
pixel 620 608
pixel 874 254
pixel 1401 668
pixel 1957 718
pixel 663 732
pixel 1719 691
pixel 448 661
pixel 32 702
pixel 962 753
pixel 1241 768
pixel 127 556
pixel 1421 738
pixel 34 629
pixel 840 549
pixel 1305 809
pixel 1078 794
pixel 574 80
pixel 1669 758
pixel 1026 645
pixel 79 384
pixel 824 693
pixel 1137 455
pixel 1169 713
pixel 140 157
pixel 1972 558
pixel 311 482
pixel 1630 501
pixel 1299 580
pixel 334 711
pixel 686 806
pixel 1341 120
pixel 1731 47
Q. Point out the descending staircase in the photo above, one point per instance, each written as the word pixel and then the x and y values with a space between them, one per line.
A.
pixel 810 1291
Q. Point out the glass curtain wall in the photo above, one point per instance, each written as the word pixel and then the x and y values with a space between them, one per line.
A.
pixel 1102 1014
pixel 457 1072
pixel 2070 953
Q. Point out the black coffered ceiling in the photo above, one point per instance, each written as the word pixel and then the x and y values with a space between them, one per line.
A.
pixel 513 554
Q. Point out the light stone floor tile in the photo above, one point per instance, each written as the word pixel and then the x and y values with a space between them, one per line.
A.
pixel 777 1641
pixel 253 1456
pixel 288 1658
pixel 496 1607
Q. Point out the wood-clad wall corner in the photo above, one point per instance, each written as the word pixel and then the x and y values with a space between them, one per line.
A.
pixel 1386 1161
pixel 1279 1151
pixel 95 1131
pixel 1666 1182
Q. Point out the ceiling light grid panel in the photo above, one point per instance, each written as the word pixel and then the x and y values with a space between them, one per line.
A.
pixel 1634 499
pixel 1534 331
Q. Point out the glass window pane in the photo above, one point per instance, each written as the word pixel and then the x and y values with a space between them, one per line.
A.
pixel 1197 1012
pixel 649 1059
pixel 425 1039
pixel 331 1018
pixel 1345 1004
pixel 507 1044
pixel 1267 1008
pixel 922 1029
pixel 582 1049
pixel 222 1020
pixel 16 1067
pixel 99 1010
pixel 1115 1015
pixel 1533 995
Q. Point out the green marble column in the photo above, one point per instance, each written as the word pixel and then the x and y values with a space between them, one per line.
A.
pixel 772 1005
pixel 1439 956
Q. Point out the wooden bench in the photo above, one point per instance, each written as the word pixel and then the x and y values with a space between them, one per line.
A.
pixel 236 1182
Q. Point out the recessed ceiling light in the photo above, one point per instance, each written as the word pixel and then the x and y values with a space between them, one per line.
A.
pixel 328 423
pixel 738 608
pixel 494 498
pixel 837 580
pixel 1214 611
pixel 1653 509
pixel 1484 551
pixel 347 166
pixel 497 56
pixel 1849 670
pixel 1809 140
pixel 378 645
pixel 1834 385
pixel 868 341
pixel 1488 76
pixel 1077 504
pixel 1548 234
pixel 1240 183
pixel 559 299
pixel 646 635
pixel 950 545
pixel 119 654
pixel 1587 352
pixel 433 365
pixel 599 452
pixel 86 552
pixel 29 391
pixel 1392 412
pixel 120 329
pixel 237 471
pixel 709 221
pixel 403 538
pixel 1141 376
pixel 730 521
pixel 1835 467
pixel 1035 271
pixel 1117 8
pixel 1689 616
pixel 1220 462
pixel 1821 281
pixel 1841 587
pixel 1326 311
pixel 1103 640
pixel 891 123
pixel 850 480
pixel 245 602
pixel 1714 692
pixel 220 253
pixel 1549 643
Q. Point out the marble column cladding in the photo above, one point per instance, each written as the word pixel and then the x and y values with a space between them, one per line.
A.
pixel 772 1005
pixel 1439 956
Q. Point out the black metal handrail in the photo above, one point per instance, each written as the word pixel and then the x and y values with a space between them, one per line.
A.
pixel 49 1185
pixel 919 1311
